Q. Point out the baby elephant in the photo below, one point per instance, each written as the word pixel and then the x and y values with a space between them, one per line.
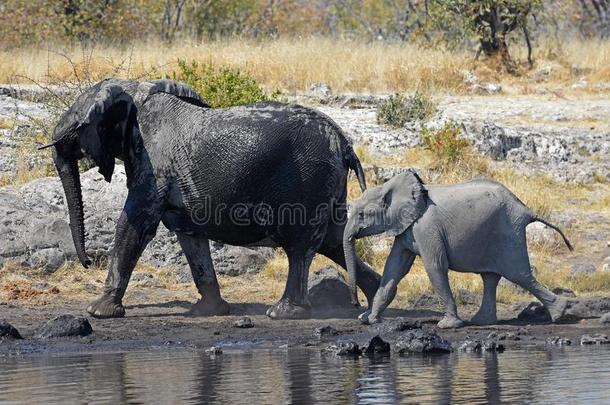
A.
pixel 478 226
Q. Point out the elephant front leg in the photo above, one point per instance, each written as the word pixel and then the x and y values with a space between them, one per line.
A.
pixel 397 266
pixel 135 228
pixel 437 268
pixel 294 304
pixel 197 252
pixel 487 313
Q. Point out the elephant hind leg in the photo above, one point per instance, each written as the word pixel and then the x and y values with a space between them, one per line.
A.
pixel 197 252
pixel 554 304
pixel 487 312
pixel 294 303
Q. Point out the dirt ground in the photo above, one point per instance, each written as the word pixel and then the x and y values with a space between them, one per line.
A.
pixel 166 324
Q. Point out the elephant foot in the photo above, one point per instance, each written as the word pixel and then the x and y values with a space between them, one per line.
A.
pixel 106 307
pixel 557 308
pixel 285 309
pixel 367 319
pixel 209 307
pixel 481 318
pixel 449 322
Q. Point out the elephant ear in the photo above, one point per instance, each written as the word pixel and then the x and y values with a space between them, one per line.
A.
pixel 180 90
pixel 102 127
pixel 405 201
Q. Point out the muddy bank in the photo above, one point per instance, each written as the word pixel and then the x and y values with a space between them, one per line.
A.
pixel 167 325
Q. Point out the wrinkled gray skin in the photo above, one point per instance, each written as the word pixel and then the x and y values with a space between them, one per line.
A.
pixel 478 226
pixel 202 172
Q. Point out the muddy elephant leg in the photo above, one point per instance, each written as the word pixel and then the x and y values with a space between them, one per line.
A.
pixel 294 304
pixel 397 266
pixel 555 305
pixel 136 227
pixel 197 252
pixel 437 268
pixel 368 279
pixel 487 312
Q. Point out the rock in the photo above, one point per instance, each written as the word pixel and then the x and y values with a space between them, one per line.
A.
pixel 8 332
pixel 320 90
pixel 478 346
pixel 328 289
pixel 400 325
pixel 504 336
pixel 236 260
pixel 584 268
pixel 421 341
pixel 467 297
pixel 344 349
pixel 539 234
pixel 428 301
pixel 214 350
pixel 376 345
pixel 486 88
pixel 64 326
pixel 244 323
pixel 495 143
pixel 584 308
pixel 544 73
pixel 605 319
pixel 598 339
pixel 534 312
pixel 325 331
pixel 34 230
pixel 564 292
pixel 558 341
pixel 606 264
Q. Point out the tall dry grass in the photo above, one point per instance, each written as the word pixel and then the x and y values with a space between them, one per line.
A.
pixel 293 65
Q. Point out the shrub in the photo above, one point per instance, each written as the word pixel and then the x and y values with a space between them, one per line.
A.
pixel 221 86
pixel 445 143
pixel 398 109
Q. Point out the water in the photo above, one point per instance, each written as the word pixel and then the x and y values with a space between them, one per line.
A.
pixel 571 375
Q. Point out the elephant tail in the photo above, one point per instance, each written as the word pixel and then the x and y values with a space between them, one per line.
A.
pixel 567 242
pixel 353 163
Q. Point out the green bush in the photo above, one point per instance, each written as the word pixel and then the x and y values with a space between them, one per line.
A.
pixel 399 109
pixel 445 143
pixel 221 86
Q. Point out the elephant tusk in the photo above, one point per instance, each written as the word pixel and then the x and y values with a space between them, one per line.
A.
pixel 48 145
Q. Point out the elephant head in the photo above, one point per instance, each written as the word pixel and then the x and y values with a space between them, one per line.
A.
pixel 392 208
pixel 98 125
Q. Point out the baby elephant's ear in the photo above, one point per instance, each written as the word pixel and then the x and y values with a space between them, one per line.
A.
pixel 405 201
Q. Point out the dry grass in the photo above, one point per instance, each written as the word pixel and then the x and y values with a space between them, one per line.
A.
pixel 293 65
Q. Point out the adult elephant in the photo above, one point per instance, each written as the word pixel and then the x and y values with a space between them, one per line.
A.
pixel 267 174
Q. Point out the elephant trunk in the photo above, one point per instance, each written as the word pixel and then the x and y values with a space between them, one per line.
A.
pixel 349 248
pixel 70 180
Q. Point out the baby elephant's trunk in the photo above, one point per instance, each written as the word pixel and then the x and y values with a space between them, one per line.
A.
pixel 349 247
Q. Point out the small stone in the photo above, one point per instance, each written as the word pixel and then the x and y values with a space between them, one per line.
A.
pixel 558 341
pixel 244 323
pixel 325 331
pixel 344 349
pixel 598 339
pixel 605 319
pixel 565 292
pixel 422 341
pixel 64 326
pixel 376 345
pixel 582 268
pixel 479 346
pixel 400 325
pixel 8 331
pixel 214 350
